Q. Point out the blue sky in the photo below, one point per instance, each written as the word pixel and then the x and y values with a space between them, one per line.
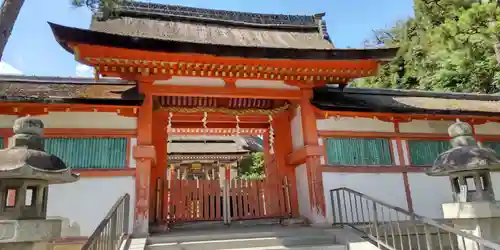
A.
pixel 33 50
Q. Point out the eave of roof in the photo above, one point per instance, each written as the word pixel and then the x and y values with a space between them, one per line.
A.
pixel 65 35
pixel 62 80
pixel 52 90
pixel 405 102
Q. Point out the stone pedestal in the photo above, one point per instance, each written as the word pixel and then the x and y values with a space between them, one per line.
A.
pixel 28 234
pixel 481 219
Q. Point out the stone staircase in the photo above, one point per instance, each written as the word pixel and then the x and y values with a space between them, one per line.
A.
pixel 262 237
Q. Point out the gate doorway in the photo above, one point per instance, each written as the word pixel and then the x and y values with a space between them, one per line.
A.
pixel 208 185
pixel 204 184
pixel 207 200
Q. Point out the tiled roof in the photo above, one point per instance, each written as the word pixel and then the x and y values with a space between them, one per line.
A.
pixel 215 34
pixel 19 88
pixel 405 101
pixel 164 11
pixel 217 27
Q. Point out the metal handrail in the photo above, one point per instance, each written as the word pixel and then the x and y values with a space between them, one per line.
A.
pixel 395 228
pixel 113 229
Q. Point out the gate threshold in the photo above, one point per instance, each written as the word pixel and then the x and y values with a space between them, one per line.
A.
pixel 221 224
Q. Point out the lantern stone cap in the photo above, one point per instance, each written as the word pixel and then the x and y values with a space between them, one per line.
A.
pixel 466 154
pixel 26 158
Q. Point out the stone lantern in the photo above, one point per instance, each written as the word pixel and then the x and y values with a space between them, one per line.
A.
pixel 468 165
pixel 26 170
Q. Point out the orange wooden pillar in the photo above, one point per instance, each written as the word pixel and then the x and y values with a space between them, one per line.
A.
pixel 312 160
pixel 144 154
pixel 283 147
pixel 158 174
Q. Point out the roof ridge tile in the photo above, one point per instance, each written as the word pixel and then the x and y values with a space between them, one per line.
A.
pixel 130 7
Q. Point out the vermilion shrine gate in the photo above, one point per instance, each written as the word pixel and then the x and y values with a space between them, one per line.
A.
pixel 220 72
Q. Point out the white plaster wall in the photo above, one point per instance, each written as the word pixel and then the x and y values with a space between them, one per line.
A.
pixel 192 81
pixel 303 190
pixel 219 82
pixel 6 121
pixel 489 128
pixel 88 200
pixel 425 126
pixel 495 179
pixel 322 159
pixel 296 129
pixel 131 161
pixel 395 152
pixel 264 84
pixel 354 124
pixel 428 193
pixel 406 153
pixel 386 187
pixel 106 120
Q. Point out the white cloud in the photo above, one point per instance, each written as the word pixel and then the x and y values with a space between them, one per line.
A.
pixel 7 69
pixel 83 70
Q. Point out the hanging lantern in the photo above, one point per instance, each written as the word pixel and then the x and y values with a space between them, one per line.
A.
pixel 271 135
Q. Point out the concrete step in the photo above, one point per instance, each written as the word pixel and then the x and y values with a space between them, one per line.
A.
pixel 269 243
pixel 250 238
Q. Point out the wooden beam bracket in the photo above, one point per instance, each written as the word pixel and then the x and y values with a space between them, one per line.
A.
pixel 141 152
pixel 300 155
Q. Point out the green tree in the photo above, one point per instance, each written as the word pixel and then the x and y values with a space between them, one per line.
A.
pixel 252 167
pixel 448 46
pixel 96 5
pixel 10 11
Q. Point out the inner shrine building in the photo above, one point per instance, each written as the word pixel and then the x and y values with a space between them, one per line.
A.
pixel 165 73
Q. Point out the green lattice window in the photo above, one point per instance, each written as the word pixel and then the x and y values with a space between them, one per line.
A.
pixel 495 145
pixel 86 153
pixel 1 142
pixel 355 151
pixel 424 152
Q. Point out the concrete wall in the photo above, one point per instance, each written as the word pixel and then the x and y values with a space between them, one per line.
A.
pixel 427 193
pixel 86 202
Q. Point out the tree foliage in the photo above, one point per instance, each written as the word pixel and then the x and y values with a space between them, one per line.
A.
pixel 95 5
pixel 252 167
pixel 448 46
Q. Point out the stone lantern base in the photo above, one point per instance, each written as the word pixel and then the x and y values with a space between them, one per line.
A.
pixel 28 234
pixel 481 219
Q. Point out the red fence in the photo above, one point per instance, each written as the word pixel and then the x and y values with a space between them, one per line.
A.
pixel 212 200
